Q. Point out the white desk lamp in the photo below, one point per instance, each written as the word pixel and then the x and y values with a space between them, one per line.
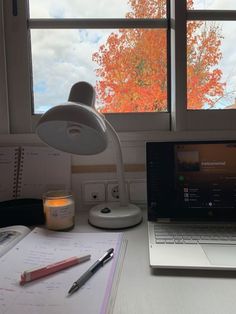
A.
pixel 77 128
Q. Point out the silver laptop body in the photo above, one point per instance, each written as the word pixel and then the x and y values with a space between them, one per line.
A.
pixel 191 188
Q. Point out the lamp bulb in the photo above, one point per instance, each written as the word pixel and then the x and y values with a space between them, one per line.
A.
pixel 74 130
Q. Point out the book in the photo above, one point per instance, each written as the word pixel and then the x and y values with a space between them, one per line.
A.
pixel 50 294
pixel 30 171
pixel 10 236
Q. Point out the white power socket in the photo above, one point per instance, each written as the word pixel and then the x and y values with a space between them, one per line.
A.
pixel 113 191
pixel 94 192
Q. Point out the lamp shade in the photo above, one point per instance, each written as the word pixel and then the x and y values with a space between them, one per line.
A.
pixel 73 128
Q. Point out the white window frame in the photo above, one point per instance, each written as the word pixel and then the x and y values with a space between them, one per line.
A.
pixel 121 122
pixel 16 80
pixel 193 120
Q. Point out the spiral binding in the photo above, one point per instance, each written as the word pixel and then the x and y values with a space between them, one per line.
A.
pixel 15 178
pixel 20 163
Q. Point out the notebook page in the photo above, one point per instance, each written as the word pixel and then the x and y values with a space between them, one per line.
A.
pixel 42 169
pixel 8 171
pixel 49 294
pixel 11 235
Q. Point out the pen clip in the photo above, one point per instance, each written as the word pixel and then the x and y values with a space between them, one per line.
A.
pixel 107 256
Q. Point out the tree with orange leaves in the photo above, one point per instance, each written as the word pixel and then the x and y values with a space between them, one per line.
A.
pixel 133 64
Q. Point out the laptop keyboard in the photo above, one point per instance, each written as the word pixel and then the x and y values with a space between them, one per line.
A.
pixel 193 234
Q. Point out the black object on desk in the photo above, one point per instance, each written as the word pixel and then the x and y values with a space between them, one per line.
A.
pixel 25 211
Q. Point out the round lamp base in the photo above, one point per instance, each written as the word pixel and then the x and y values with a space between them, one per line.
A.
pixel 113 216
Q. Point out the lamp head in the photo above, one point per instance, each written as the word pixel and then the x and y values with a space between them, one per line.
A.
pixel 75 127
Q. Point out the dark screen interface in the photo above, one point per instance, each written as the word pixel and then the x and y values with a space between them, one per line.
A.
pixel 205 175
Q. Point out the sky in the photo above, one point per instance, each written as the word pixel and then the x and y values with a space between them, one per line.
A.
pixel 64 57
pixel 214 4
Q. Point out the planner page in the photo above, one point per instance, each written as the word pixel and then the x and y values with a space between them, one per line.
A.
pixel 42 169
pixel 8 172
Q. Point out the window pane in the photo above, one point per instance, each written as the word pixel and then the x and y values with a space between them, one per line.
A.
pixel 128 67
pixel 211 70
pixel 214 5
pixel 97 8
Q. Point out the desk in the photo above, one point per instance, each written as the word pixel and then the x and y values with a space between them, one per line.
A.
pixel 143 291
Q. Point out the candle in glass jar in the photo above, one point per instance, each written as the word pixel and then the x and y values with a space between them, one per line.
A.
pixel 59 210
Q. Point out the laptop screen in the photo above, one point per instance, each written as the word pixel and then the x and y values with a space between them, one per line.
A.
pixel 191 180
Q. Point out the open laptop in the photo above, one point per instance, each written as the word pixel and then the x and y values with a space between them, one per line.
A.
pixel 191 191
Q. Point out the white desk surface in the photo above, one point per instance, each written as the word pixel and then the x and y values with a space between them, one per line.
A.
pixel 144 291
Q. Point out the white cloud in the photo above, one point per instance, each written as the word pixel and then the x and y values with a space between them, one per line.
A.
pixel 60 59
pixel 215 4
pixel 78 8
pixel 228 62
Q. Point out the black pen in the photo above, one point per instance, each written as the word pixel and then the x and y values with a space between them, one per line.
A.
pixel 92 270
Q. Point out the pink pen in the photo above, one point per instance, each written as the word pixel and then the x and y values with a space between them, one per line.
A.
pixel 30 275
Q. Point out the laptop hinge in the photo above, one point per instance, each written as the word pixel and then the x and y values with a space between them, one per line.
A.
pixel 165 220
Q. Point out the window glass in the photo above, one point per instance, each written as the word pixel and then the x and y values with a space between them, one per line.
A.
pixel 211 70
pixel 128 67
pixel 214 4
pixel 96 9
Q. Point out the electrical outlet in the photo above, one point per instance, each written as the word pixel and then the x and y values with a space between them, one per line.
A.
pixel 113 192
pixel 138 191
pixel 94 192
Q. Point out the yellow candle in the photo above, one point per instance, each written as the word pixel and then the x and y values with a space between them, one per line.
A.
pixel 59 211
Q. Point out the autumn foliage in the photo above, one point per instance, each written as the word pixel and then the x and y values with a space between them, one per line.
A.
pixel 133 64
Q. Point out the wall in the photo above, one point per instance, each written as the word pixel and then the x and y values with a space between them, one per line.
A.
pixel 100 169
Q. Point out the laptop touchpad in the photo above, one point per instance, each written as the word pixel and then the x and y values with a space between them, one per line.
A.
pixel 220 254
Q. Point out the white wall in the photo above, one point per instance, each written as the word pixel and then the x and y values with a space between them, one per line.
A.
pixel 133 148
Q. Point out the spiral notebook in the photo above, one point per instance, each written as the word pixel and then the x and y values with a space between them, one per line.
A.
pixel 29 171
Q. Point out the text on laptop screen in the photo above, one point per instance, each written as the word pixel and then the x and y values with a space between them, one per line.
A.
pixel 191 179
pixel 206 177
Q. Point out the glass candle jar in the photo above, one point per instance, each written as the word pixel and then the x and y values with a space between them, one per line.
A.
pixel 59 210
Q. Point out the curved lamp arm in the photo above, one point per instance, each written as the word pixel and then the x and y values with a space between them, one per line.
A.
pixel 119 164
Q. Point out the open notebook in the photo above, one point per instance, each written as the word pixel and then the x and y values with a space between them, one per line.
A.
pixel 191 190
pixel 50 294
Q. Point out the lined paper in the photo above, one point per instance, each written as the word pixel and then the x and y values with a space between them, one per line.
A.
pixel 49 294
pixel 42 169
pixel 8 169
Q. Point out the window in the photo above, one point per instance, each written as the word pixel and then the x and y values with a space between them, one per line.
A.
pixel 128 65
pixel 211 76
pixel 125 81
pixel 156 64
pixel 202 74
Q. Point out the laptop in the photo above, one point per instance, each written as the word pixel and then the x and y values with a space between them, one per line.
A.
pixel 191 193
